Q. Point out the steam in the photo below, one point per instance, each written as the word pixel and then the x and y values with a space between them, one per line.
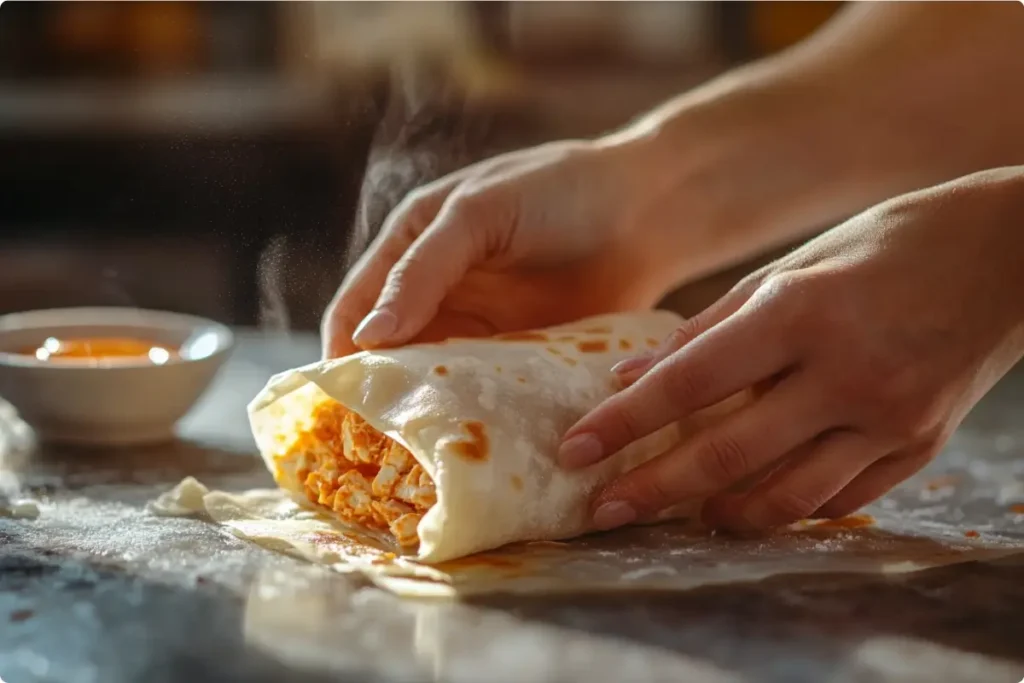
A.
pixel 388 179
pixel 403 153
pixel 273 309
pixel 411 145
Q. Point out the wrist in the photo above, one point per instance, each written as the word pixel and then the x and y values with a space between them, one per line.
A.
pixel 728 171
pixel 977 222
pixel 992 203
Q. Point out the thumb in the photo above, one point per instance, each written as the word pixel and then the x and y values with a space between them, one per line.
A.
pixel 420 280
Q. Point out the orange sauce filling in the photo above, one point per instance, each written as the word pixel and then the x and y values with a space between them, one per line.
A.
pixel 857 521
pixel 364 477
pixel 942 482
pixel 592 346
pixel 100 348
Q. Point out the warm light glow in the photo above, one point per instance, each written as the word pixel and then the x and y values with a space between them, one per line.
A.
pixel 159 355
pixel 47 348
pixel 100 350
pixel 202 346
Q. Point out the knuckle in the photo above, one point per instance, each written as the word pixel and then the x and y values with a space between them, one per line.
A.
pixel 722 460
pixel 915 421
pixel 773 294
pixel 652 492
pixel 482 214
pixel 416 198
pixel 628 426
pixel 411 216
pixel 402 274
pixel 472 199
pixel 751 283
pixel 687 331
pixel 467 201
pixel 780 284
pixel 683 383
pixel 793 296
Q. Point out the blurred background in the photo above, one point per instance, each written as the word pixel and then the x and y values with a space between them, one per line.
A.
pixel 227 159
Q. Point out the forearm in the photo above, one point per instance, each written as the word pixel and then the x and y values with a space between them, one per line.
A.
pixel 889 98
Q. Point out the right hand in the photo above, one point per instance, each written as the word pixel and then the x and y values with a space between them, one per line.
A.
pixel 529 239
pixel 860 351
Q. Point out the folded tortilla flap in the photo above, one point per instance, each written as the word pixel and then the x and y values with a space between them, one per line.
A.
pixel 483 418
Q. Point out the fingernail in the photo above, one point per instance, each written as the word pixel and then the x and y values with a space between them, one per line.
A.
pixel 631 364
pixel 375 328
pixel 613 515
pixel 580 451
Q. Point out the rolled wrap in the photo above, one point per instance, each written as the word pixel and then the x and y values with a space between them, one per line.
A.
pixel 484 418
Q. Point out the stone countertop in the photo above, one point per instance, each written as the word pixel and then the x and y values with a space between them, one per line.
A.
pixel 96 590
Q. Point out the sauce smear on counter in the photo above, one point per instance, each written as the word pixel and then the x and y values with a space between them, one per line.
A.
pixel 848 522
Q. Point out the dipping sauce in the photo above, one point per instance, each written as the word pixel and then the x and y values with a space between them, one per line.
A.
pixel 101 349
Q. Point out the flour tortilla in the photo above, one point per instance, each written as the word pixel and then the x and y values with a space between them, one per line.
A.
pixel 397 392
pixel 498 483
pixel 666 557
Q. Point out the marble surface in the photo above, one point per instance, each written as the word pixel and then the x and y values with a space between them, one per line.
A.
pixel 96 590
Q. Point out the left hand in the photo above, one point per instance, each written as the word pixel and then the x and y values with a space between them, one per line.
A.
pixel 874 341
pixel 503 245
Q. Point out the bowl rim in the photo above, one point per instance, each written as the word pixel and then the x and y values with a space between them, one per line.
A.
pixel 127 316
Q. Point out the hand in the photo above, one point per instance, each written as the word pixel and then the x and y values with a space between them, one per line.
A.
pixel 869 346
pixel 528 239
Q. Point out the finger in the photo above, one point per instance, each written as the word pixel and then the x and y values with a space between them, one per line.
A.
pixel 873 483
pixel 799 488
pixel 467 231
pixel 738 446
pixel 363 285
pixel 632 369
pixel 356 296
pixel 746 348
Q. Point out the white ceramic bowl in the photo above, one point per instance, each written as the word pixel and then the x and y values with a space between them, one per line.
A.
pixel 125 402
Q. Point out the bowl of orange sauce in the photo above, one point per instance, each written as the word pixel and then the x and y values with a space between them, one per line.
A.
pixel 107 376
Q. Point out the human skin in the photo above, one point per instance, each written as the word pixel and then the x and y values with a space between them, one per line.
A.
pixel 889 98
pixel 865 349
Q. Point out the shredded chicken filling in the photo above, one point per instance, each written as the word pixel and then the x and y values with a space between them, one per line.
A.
pixel 365 477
